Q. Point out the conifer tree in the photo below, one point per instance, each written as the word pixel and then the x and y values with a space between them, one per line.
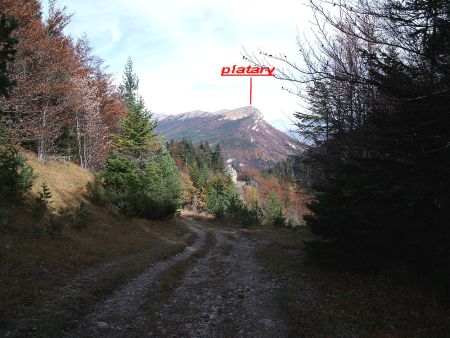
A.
pixel 140 176
pixel 217 162
pixel 136 134
pixel 273 211
pixel 128 90
pixel 7 25
pixel 377 85
pixel 16 176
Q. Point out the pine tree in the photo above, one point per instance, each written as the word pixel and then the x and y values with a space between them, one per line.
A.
pixel 163 185
pixel 273 211
pixel 220 195
pixel 128 90
pixel 136 130
pixel 140 177
pixel 381 138
pixel 45 195
pixel 217 162
pixel 16 176
pixel 204 155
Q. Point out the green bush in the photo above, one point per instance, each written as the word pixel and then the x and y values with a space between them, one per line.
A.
pixel 243 214
pixel 253 215
pixel 146 188
pixel 273 212
pixel 220 193
pixel 81 217
pixel 55 226
pixel 217 203
pixel 223 200
pixel 16 176
pixel 97 193
pixel 77 219
pixel 42 201
pixel 140 178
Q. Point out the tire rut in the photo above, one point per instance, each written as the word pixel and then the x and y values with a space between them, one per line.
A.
pixel 224 295
pixel 112 317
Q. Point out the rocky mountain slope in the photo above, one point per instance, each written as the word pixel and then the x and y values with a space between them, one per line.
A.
pixel 246 138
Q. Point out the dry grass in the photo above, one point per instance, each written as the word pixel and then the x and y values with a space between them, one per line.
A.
pixel 208 218
pixel 66 180
pixel 202 216
pixel 33 268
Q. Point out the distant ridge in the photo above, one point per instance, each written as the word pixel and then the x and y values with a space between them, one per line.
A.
pixel 246 138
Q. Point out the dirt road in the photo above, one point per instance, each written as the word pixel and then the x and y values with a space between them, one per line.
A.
pixel 224 293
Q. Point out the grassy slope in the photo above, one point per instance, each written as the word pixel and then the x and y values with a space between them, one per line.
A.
pixel 66 180
pixel 32 268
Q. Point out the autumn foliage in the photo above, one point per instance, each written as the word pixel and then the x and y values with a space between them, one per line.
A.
pixel 261 187
pixel 63 103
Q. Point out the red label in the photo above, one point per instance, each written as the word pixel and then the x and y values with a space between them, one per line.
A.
pixel 248 71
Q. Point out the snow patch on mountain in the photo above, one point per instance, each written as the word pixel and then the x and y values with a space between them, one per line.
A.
pixel 292 145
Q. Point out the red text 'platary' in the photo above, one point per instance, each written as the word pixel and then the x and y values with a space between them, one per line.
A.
pixel 248 71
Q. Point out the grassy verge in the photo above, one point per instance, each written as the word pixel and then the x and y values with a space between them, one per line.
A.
pixel 66 314
pixel 34 268
pixel 323 303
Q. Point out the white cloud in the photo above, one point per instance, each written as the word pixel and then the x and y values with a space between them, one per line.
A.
pixel 180 46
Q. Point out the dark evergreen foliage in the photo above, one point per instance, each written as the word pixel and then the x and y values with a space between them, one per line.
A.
pixel 217 162
pixel 200 156
pixel 140 177
pixel 220 193
pixel 380 141
pixel 7 25
pixel 16 176
pixel 245 215
pixel 294 169
pixel 273 212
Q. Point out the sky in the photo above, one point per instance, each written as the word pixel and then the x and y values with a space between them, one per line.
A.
pixel 179 48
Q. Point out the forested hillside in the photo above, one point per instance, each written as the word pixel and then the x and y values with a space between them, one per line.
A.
pixel 60 103
pixel 247 140
pixel 249 198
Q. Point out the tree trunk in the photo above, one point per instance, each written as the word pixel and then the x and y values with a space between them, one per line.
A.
pixel 41 142
pixel 80 150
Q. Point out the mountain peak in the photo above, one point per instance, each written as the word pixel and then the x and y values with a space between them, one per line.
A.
pixel 246 138
pixel 239 113
pixel 228 114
